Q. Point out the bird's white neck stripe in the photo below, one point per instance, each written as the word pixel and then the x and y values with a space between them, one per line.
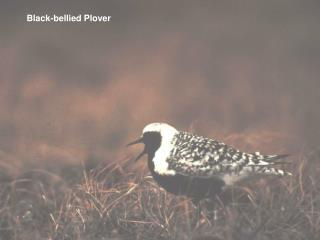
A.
pixel 161 165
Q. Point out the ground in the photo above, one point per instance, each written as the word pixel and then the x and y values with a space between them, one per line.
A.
pixel 114 201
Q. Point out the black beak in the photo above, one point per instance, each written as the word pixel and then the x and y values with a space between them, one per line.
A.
pixel 140 140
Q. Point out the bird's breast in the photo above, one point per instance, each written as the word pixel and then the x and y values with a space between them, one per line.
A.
pixel 196 188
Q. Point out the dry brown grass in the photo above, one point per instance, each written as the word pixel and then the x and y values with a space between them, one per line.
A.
pixel 115 202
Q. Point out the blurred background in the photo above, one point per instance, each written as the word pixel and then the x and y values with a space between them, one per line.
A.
pixel 244 72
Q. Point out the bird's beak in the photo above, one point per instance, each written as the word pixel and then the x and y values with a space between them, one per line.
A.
pixel 140 140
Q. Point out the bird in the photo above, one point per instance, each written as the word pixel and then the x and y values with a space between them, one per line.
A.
pixel 199 167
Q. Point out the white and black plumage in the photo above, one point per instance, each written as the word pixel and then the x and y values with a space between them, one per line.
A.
pixel 199 167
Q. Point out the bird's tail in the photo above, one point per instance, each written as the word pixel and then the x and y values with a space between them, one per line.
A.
pixel 274 171
pixel 276 159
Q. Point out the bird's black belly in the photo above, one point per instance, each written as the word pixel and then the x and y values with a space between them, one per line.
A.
pixel 196 188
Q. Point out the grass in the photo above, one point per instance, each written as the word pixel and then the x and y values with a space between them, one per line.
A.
pixel 115 202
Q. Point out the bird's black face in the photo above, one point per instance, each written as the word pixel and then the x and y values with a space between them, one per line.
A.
pixel 151 140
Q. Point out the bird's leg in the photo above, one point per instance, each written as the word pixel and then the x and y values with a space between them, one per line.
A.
pixel 197 205
pixel 219 208
pixel 212 212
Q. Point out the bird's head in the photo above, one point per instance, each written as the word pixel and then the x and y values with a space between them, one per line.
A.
pixel 153 136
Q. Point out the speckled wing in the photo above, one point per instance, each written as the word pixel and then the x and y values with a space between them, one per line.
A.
pixel 198 156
